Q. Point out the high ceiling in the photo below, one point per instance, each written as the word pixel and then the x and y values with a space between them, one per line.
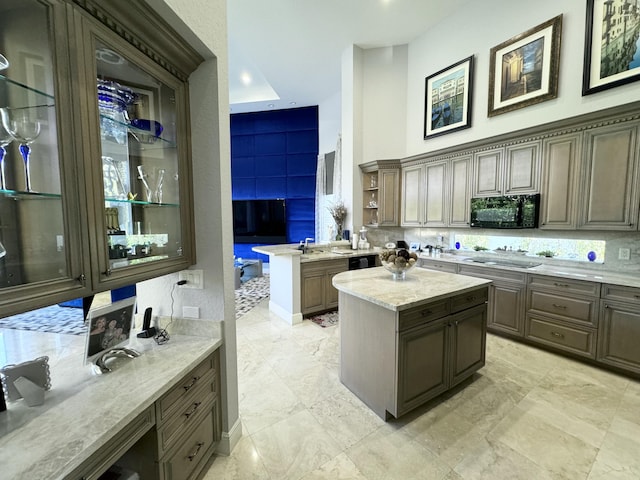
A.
pixel 287 53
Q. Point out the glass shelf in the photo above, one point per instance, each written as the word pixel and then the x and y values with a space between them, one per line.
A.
pixel 30 195
pixel 23 96
pixel 141 203
pixel 150 142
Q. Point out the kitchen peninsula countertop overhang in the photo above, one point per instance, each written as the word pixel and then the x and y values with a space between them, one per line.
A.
pixel 421 286
pixel 316 252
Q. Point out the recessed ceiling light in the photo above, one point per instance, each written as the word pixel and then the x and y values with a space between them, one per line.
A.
pixel 245 78
pixel 293 103
pixel 270 105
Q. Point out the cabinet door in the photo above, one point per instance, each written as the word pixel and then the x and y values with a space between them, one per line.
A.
pixel 312 291
pixel 610 183
pixel 140 171
pixel 522 169
pixel 388 204
pixel 506 308
pixel 618 333
pixel 487 173
pixel 468 343
pixel 331 292
pixel 435 195
pixel 412 196
pixel 460 195
pixel 43 253
pixel 422 364
pixel 560 172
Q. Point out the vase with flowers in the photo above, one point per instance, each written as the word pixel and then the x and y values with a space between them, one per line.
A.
pixel 339 213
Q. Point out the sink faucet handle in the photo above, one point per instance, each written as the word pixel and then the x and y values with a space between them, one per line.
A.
pixel 306 241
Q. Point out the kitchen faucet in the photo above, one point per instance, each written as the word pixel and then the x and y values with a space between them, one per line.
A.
pixel 305 247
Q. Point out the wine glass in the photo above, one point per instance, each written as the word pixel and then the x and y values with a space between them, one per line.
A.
pixel 24 127
pixel 152 179
pixel 5 139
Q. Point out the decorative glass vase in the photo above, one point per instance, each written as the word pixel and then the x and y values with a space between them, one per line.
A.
pixel 339 230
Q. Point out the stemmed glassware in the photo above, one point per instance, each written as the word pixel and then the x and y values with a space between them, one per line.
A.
pixel 24 127
pixel 5 139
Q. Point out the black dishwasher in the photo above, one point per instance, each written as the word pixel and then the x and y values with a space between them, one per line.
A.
pixel 362 261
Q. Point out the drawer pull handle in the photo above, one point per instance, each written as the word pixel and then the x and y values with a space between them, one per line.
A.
pixel 199 445
pixel 193 410
pixel 558 306
pixel 557 335
pixel 636 296
pixel 424 313
pixel 561 285
pixel 471 298
pixel 193 382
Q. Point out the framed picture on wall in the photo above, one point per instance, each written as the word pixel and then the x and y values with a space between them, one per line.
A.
pixel 611 50
pixel 523 70
pixel 447 103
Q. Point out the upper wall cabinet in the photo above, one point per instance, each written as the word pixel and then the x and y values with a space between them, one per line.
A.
pixel 460 191
pixel 424 195
pixel 610 181
pixel 560 174
pixel 511 170
pixel 95 184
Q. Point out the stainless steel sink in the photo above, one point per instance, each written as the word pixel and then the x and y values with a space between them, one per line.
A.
pixel 505 262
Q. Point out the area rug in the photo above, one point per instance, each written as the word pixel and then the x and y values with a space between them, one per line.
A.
pixel 251 293
pixel 325 320
pixel 53 319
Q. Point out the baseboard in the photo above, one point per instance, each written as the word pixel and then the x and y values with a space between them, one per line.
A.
pixel 290 318
pixel 230 439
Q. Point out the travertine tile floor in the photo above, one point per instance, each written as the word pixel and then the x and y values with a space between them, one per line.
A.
pixel 528 414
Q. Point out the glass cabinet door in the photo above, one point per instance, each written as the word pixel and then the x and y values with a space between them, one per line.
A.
pixel 34 239
pixel 141 120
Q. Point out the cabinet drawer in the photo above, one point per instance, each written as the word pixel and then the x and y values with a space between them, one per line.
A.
pixel 559 285
pixel 570 338
pixel 192 451
pixel 424 314
pixel 191 413
pixel 492 273
pixel 171 401
pixel 620 293
pixel 440 266
pixel 469 299
pixel 572 309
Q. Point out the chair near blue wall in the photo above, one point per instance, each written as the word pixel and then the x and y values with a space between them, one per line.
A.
pixel 274 154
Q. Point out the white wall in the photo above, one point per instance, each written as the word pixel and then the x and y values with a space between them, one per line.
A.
pixel 204 24
pixel 329 126
pixel 474 31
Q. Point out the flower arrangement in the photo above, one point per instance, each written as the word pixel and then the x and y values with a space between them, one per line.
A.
pixel 339 213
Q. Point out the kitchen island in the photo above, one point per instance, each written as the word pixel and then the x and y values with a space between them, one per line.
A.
pixel 404 342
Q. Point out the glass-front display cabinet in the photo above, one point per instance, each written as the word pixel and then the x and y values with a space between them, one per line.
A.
pixel 95 171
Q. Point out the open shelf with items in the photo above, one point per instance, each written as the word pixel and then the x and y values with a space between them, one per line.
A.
pixel 380 193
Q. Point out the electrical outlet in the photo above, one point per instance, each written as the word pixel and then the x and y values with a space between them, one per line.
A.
pixel 624 254
pixel 194 278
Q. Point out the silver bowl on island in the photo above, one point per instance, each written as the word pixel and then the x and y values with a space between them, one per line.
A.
pixel 398 262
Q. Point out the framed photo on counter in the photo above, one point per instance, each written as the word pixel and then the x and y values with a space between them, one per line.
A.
pixel 523 70
pixel 611 50
pixel 447 104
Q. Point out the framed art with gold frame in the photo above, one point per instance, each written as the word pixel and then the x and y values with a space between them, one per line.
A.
pixel 524 70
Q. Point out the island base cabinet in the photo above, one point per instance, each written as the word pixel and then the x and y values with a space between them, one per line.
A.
pixel 423 372
pixel 618 331
pixel 468 343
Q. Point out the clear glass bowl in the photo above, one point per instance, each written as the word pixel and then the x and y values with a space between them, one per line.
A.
pixel 398 271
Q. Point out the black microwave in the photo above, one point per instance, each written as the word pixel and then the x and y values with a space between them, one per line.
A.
pixel 515 211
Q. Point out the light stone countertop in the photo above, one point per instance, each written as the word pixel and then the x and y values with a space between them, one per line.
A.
pixel 82 411
pixel 553 268
pixel 317 252
pixel 421 286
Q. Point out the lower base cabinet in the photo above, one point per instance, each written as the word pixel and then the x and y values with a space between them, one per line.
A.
pixel 618 335
pixel 316 288
pixel 174 438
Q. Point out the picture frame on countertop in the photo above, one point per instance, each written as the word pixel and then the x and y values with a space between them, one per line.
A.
pixel 448 99
pixel 414 246
pixel 611 57
pixel 524 70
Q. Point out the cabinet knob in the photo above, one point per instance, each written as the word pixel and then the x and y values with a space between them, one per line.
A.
pixel 81 278
pixel 108 272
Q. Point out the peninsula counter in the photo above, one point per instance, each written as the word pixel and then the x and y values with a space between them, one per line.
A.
pixel 404 342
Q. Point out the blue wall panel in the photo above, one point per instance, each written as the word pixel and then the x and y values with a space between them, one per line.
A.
pixel 274 155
